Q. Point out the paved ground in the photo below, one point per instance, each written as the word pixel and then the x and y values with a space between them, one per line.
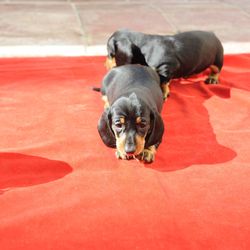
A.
pixel 74 26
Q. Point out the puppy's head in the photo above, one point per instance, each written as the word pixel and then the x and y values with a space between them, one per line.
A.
pixel 130 126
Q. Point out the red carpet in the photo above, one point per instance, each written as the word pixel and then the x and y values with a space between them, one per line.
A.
pixel 62 188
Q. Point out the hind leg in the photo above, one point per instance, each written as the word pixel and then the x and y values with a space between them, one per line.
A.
pixel 213 78
pixel 165 90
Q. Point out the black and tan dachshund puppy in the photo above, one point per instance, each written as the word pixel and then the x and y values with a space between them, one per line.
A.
pixel 176 56
pixel 131 121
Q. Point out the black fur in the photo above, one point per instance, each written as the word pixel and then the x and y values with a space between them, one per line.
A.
pixel 132 91
pixel 180 55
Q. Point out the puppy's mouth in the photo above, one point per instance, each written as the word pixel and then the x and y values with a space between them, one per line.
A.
pixel 127 156
pixel 132 155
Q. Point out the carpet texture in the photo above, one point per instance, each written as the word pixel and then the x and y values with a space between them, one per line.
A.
pixel 62 188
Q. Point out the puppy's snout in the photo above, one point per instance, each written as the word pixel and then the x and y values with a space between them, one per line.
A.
pixel 130 149
pixel 130 145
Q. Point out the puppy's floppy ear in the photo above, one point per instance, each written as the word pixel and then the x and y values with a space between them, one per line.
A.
pixel 156 130
pixel 105 130
pixel 123 51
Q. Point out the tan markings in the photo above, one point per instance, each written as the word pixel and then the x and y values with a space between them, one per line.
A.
pixel 213 78
pixel 140 143
pixel 120 146
pixel 214 69
pixel 165 90
pixel 119 155
pixel 138 120
pixel 110 63
pixel 106 102
pixel 122 120
pixel 148 155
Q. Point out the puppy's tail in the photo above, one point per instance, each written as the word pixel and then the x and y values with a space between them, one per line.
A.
pixel 96 89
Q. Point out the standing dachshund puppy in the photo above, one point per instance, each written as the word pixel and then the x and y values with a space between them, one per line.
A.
pixel 180 55
pixel 131 121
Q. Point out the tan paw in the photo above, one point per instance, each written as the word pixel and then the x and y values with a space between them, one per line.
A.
pixel 148 155
pixel 119 155
pixel 165 90
pixel 212 79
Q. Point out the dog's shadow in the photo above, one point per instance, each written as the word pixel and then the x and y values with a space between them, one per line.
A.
pixel 189 138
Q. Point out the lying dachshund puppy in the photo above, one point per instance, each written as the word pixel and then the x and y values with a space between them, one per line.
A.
pixel 180 55
pixel 131 121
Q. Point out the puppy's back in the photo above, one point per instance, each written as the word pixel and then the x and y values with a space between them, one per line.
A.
pixel 127 79
pixel 197 50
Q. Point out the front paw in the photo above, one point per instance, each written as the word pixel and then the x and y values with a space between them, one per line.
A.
pixel 213 79
pixel 119 155
pixel 148 155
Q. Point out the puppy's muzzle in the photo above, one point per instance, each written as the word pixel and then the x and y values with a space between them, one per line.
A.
pixel 130 145
pixel 134 145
